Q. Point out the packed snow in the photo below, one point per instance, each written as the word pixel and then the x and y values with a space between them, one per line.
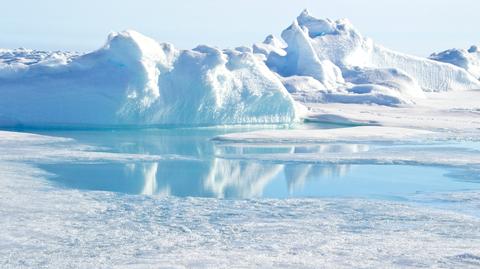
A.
pixel 456 114
pixel 468 59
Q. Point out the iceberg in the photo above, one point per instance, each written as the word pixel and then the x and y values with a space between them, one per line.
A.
pixel 468 59
pixel 330 61
pixel 133 80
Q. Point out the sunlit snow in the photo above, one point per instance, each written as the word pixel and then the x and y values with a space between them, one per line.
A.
pixel 318 148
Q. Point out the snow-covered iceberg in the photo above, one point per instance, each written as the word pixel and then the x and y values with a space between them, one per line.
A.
pixel 330 61
pixel 468 59
pixel 133 80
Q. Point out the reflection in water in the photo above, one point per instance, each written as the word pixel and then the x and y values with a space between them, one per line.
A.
pixel 211 177
pixel 149 172
pixel 225 177
pixel 249 180
pixel 332 148
pixel 297 175
pixel 239 179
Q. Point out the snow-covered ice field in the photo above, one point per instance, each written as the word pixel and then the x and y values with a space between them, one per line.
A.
pixel 359 216
pixel 316 149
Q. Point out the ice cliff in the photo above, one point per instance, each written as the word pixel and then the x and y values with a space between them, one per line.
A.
pixel 133 80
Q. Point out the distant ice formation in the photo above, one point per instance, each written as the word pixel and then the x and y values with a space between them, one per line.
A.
pixel 330 61
pixel 466 59
pixel 133 80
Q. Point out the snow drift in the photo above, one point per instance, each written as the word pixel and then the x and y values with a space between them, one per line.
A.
pixel 466 59
pixel 330 61
pixel 134 80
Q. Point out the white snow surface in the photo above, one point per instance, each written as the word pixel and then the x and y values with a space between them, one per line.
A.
pixel 468 59
pixel 456 114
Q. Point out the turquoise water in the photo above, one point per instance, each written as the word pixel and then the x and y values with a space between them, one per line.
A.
pixel 206 174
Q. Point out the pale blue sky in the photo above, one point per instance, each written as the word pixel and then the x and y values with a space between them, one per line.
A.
pixel 413 26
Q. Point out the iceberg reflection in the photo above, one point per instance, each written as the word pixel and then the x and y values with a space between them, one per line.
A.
pixel 229 179
pixel 218 177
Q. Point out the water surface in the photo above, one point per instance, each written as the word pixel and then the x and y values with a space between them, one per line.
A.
pixel 207 174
